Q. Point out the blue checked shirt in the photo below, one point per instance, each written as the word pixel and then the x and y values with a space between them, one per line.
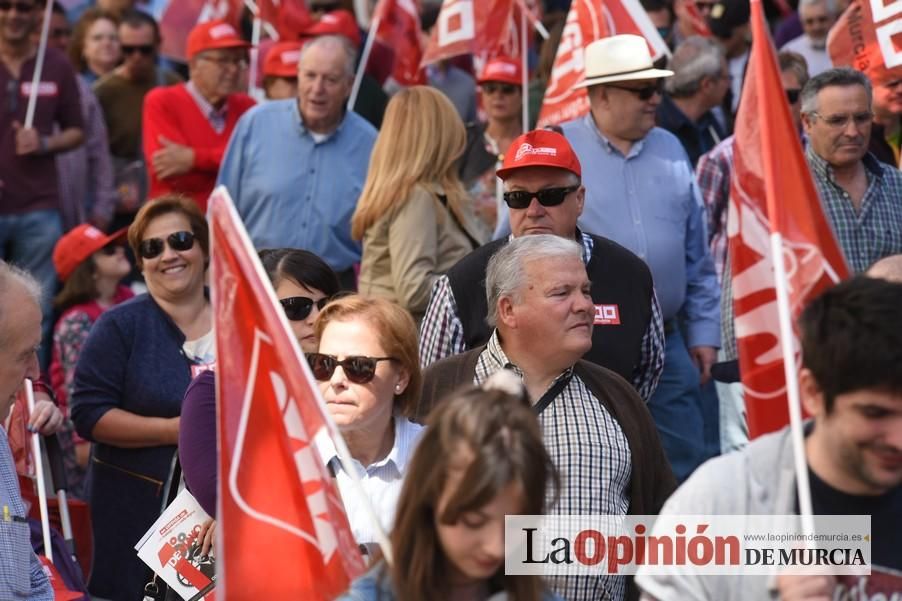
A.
pixel 442 333
pixel 873 232
pixel 593 457
pixel 21 573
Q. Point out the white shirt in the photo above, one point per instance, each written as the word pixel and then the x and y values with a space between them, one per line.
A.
pixel 817 58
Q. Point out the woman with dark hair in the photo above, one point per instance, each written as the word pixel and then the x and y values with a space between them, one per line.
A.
pixel 481 458
pixel 91 266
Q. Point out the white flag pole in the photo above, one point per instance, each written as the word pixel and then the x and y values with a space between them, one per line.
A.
pixel 524 50
pixel 255 10
pixel 535 22
pixel 252 89
pixel 792 384
pixel 38 66
pixel 364 59
pixel 39 469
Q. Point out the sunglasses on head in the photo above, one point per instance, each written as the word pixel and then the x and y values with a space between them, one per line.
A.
pixel 492 87
pixel 178 241
pixel 21 7
pixel 145 49
pixel 359 370
pixel 299 307
pixel 645 92
pixel 549 197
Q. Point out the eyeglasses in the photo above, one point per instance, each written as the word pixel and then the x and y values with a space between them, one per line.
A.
pixel 299 307
pixel 792 95
pixel 359 370
pixel 705 7
pixel 145 49
pixel 839 121
pixel 178 241
pixel 492 87
pixel 645 92
pixel 20 7
pixel 549 197
pixel 226 61
pixel 816 20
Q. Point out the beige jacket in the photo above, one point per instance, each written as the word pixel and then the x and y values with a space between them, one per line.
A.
pixel 411 246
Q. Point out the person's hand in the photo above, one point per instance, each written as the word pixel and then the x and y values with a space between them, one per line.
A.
pixel 28 140
pixel 805 588
pixel 207 536
pixel 703 357
pixel 46 418
pixel 172 159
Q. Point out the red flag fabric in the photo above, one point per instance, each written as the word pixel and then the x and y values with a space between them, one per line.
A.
pixel 399 32
pixel 60 591
pixel 868 36
pixel 474 27
pixel 289 17
pixel 587 21
pixel 772 192
pixel 282 532
pixel 178 17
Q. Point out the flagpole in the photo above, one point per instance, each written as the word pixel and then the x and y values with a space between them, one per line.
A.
pixel 39 472
pixel 535 22
pixel 252 89
pixel 524 50
pixel 364 59
pixel 38 66
pixel 255 10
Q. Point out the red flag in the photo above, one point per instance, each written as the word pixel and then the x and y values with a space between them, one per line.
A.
pixel 283 532
pixel 587 21
pixel 868 36
pixel 772 192
pixel 469 27
pixel 698 22
pixel 399 32
pixel 289 17
pixel 178 17
pixel 61 592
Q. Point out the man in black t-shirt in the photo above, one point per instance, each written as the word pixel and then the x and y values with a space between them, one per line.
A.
pixel 851 383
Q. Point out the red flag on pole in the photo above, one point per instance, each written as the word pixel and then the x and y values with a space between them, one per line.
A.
pixel 289 17
pixel 469 27
pixel 772 193
pixel 399 32
pixel 178 17
pixel 868 36
pixel 283 532
pixel 587 21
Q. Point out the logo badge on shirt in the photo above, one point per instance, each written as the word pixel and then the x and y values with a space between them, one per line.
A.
pixel 607 315
pixel 45 88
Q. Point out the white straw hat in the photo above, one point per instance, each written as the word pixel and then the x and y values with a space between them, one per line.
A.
pixel 624 57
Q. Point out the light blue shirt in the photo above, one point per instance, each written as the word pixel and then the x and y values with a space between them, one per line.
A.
pixel 293 191
pixel 649 202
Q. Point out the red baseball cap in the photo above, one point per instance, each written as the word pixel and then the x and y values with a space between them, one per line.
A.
pixel 540 148
pixel 213 35
pixel 336 22
pixel 78 244
pixel 503 69
pixel 282 59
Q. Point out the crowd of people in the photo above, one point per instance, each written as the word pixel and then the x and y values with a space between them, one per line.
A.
pixel 500 321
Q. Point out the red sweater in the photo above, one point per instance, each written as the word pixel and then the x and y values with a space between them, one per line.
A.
pixel 172 112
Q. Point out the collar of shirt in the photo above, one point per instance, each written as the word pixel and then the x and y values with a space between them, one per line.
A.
pixel 400 453
pixel 589 122
pixel 496 360
pixel 209 111
pixel 824 170
pixel 586 242
pixel 323 137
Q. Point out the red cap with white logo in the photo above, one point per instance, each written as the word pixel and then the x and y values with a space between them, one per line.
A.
pixel 337 22
pixel 282 60
pixel 78 244
pixel 213 35
pixel 503 69
pixel 540 148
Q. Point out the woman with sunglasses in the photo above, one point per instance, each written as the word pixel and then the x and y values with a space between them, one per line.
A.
pixel 414 216
pixel 501 84
pixel 369 373
pixel 91 266
pixel 480 459
pixel 129 383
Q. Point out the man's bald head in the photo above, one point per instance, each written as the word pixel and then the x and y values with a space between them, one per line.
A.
pixel 888 268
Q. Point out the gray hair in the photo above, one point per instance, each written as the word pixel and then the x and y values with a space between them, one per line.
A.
pixel 794 63
pixel 333 40
pixel 693 60
pixel 830 5
pixel 506 271
pixel 10 276
pixel 839 76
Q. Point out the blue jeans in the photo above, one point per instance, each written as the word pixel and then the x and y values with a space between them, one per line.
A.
pixel 27 240
pixel 677 407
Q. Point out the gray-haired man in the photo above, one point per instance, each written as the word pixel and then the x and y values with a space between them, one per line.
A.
pixel 598 431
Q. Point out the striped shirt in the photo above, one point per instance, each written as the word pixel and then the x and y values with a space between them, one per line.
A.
pixel 442 332
pixel 874 231
pixel 592 456
pixel 216 116
pixel 381 481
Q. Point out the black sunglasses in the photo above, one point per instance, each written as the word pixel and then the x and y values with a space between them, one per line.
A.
pixel 506 89
pixel 21 7
pixel 299 307
pixel 549 197
pixel 145 49
pixel 359 370
pixel 792 95
pixel 645 92
pixel 153 247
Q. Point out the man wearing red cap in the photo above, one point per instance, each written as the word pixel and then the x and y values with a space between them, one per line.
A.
pixel 543 190
pixel 280 71
pixel 186 127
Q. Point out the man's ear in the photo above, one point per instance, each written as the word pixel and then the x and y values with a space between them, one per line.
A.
pixel 506 313
pixel 810 393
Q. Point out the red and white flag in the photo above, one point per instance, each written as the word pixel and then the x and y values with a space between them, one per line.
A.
pixel 400 35
pixel 587 21
pixel 478 27
pixel 868 36
pixel 283 532
pixel 178 17
pixel 771 192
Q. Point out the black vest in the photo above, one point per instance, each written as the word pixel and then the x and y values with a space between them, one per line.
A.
pixel 618 278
